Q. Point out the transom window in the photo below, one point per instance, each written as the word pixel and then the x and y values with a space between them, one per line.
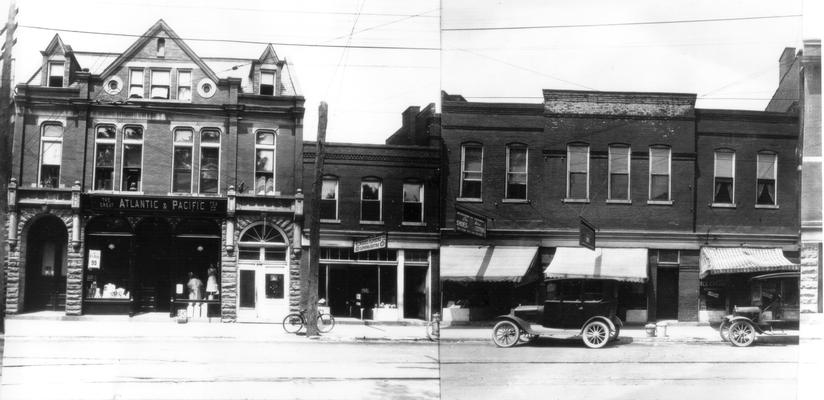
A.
pixel 371 194
pixel 516 171
pixel 329 198
pixel 472 156
pixel 56 72
pixel 132 158
pixel 412 202
pixel 51 154
pixel 767 176
pixel 104 157
pixel 265 162
pixel 262 243
pixel 619 157
pixel 267 82
pixel 578 172
pixel 724 191
pixel 136 84
pixel 160 84
pixel 209 161
pixel 184 85
pixel 183 145
pixel 659 173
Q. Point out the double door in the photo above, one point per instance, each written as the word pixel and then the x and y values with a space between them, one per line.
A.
pixel 263 292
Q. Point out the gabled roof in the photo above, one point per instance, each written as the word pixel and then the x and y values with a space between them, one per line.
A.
pixel 159 26
pixel 56 46
pixel 269 56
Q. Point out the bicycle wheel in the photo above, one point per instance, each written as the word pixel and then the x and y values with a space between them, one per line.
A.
pixel 293 323
pixel 325 323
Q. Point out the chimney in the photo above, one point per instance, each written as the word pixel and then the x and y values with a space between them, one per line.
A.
pixel 408 122
pixel 785 62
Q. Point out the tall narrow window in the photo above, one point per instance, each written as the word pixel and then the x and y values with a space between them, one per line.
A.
pixel 136 84
pixel 104 158
pixel 51 153
pixel 56 71
pixel 659 173
pixel 516 171
pixel 160 84
pixel 132 158
pixel 265 162
pixel 329 198
pixel 267 82
pixel 184 85
pixel 767 176
pixel 412 202
pixel 724 191
pixel 371 200
pixel 619 157
pixel 209 160
pixel 578 172
pixel 182 177
pixel 161 47
pixel 472 161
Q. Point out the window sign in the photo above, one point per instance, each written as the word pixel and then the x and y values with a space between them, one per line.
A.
pixel 94 259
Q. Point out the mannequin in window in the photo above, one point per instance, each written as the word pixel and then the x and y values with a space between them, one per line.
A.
pixel 195 286
pixel 211 283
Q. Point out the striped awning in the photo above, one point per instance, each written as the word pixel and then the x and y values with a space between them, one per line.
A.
pixel 736 260
pixel 628 265
pixel 486 263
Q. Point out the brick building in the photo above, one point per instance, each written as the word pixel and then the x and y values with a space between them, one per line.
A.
pixel 643 168
pixel 134 172
pixel 389 193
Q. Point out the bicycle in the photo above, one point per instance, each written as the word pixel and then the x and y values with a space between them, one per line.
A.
pixel 295 321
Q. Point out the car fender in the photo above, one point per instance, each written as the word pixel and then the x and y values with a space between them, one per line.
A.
pixel 522 324
pixel 605 320
pixel 740 318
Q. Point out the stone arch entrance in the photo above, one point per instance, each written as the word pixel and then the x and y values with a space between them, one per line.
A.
pixel 46 252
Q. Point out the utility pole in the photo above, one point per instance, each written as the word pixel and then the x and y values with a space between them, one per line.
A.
pixel 6 129
pixel 311 279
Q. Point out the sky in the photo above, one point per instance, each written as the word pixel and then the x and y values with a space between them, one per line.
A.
pixel 728 64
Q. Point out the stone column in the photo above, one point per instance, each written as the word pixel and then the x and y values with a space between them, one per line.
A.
pixel 228 263
pixel 811 179
pixel 74 258
pixel 11 267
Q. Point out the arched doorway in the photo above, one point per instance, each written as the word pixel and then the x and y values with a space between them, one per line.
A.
pixel 263 273
pixel 46 265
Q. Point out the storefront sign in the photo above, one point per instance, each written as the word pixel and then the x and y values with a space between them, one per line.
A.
pixel 587 235
pixel 94 259
pixel 467 223
pixel 146 204
pixel 371 243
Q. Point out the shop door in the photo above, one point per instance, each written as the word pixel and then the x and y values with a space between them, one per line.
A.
pixel 46 266
pixel 263 294
pixel 667 293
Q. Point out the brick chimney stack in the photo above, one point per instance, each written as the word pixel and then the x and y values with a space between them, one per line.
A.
pixel 785 62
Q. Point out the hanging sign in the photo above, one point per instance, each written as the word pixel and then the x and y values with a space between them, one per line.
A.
pixel 587 235
pixel 94 259
pixel 470 224
pixel 371 243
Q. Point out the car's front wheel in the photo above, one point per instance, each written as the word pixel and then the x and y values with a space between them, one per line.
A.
pixel 506 334
pixel 742 333
pixel 596 334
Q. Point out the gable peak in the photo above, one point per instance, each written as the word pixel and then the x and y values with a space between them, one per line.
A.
pixel 269 56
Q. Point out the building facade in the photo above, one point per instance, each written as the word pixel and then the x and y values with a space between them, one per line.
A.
pixel 156 180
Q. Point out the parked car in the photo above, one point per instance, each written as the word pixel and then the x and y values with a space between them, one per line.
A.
pixel 573 307
pixel 773 311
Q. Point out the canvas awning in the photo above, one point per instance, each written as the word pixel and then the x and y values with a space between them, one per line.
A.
pixel 628 265
pixel 486 263
pixel 736 260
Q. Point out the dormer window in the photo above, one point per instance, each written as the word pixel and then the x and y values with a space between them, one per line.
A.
pixel 161 47
pixel 56 74
pixel 267 83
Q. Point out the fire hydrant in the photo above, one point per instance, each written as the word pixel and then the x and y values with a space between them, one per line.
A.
pixel 433 328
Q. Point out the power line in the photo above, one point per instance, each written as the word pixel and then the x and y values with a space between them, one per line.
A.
pixel 236 40
pixel 681 21
pixel 380 25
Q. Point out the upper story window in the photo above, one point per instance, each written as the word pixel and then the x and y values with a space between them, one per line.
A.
pixel 371 194
pixel 160 84
pixel 578 172
pixel 619 156
pixel 412 202
pixel 472 162
pixel 104 143
pixel 136 84
pixel 182 162
pixel 329 198
pixel 668 257
pixel 659 173
pixel 265 162
pixel 267 82
pixel 184 85
pixel 132 158
pixel 262 243
pixel 56 71
pixel 724 191
pixel 767 169
pixel 161 47
pixel 209 161
pixel 516 171
pixel 51 154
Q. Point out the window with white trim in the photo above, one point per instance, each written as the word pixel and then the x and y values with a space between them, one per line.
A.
pixel 104 152
pixel 209 161
pixel 184 85
pixel 724 177
pixel 262 243
pixel 578 172
pixel 265 162
pixel 371 195
pixel 51 154
pixel 56 72
pixel 767 176
pixel 267 82
pixel 160 84
pixel 132 162
pixel 472 162
pixel 136 84
pixel 619 161
pixel 182 160
pixel 412 202
pixel 516 171
pixel 329 198
pixel 659 173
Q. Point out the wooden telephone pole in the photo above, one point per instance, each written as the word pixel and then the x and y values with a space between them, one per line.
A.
pixel 311 279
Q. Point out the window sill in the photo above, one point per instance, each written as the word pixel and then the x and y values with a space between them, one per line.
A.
pixel 515 201
pixel 617 201
pixel 468 200
pixel 722 205
pixel 767 206
pixel 576 201
pixel 407 223
pixel 329 221
pixel 660 202
pixel 371 222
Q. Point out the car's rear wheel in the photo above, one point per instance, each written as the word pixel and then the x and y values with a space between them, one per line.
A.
pixel 614 337
pixel 506 334
pixel 741 333
pixel 724 330
pixel 596 334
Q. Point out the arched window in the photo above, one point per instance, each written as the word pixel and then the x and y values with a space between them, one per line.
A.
pixel 51 154
pixel 262 242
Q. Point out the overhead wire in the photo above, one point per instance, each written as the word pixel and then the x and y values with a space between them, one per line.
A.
pixel 635 23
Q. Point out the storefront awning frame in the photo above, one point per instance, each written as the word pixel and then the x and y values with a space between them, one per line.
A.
pixel 742 260
pixel 486 263
pixel 620 264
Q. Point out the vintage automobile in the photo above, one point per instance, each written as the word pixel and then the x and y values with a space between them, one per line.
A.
pixel 573 307
pixel 774 310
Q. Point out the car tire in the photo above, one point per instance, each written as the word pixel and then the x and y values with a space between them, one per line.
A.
pixel 596 334
pixel 724 331
pixel 617 333
pixel 506 334
pixel 741 333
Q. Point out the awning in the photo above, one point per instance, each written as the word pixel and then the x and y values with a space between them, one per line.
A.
pixel 736 260
pixel 629 265
pixel 486 263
